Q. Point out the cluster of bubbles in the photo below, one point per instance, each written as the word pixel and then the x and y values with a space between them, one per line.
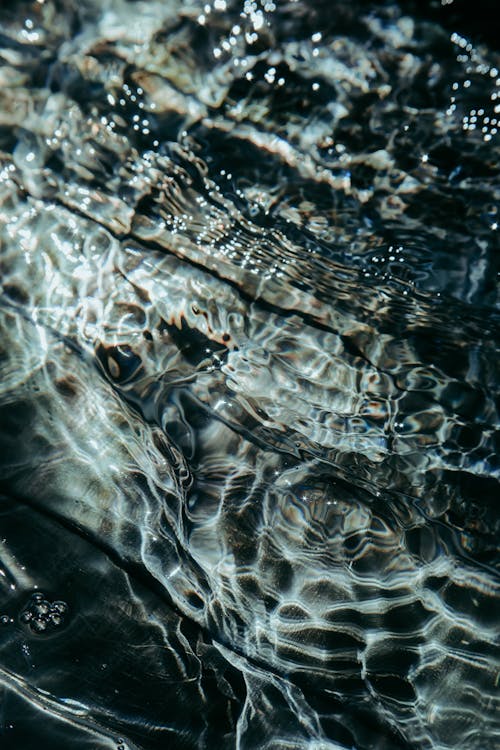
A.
pixel 42 615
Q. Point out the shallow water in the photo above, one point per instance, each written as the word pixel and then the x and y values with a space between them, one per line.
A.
pixel 249 395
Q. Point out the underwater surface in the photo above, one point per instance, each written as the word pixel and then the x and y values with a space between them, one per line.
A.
pixel 249 375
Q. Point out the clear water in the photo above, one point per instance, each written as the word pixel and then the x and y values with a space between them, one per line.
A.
pixel 249 375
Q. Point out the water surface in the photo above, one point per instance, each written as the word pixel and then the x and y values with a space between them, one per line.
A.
pixel 249 375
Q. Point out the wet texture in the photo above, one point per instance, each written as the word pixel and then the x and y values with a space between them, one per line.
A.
pixel 249 375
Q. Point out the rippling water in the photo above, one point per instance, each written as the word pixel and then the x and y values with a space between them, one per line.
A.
pixel 249 395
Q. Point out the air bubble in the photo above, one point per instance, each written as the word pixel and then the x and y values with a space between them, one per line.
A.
pixel 42 615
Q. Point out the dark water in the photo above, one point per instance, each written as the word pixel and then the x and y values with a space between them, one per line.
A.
pixel 249 393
